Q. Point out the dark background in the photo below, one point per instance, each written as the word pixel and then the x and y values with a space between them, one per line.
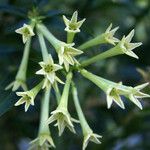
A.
pixel 121 129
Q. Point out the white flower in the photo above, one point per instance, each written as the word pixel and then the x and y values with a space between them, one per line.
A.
pixel 126 45
pixel 109 35
pixel 43 142
pixel 26 31
pixel 27 98
pixel 136 93
pixel 48 70
pixel 66 54
pixel 63 118
pixel 91 137
pixel 113 95
pixel 73 25
pixel 16 84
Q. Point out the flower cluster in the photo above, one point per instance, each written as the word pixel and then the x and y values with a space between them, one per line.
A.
pixel 64 66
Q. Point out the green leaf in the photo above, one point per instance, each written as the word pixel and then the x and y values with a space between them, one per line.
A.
pixel 7 101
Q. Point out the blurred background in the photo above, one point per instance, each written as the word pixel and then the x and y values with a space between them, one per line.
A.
pixel 121 129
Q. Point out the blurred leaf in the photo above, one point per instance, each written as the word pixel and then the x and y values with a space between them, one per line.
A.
pixel 7 101
pixel 13 10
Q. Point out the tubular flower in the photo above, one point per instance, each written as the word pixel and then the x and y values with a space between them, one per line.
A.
pixel 26 31
pixel 106 37
pixel 49 69
pixel 63 119
pixel 61 114
pixel 66 54
pixel 135 94
pixel 73 25
pixel 28 96
pixel 126 46
pixel 109 35
pixel 91 137
pixel 42 142
pixel 114 90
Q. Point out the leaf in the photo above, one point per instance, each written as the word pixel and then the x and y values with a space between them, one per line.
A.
pixel 13 10
pixel 7 101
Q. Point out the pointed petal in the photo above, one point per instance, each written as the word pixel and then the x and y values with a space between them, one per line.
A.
pixel 132 54
pixel 135 101
pixel 109 101
pixel 74 17
pixel 66 21
pixel 41 72
pixel 130 36
pixel 142 86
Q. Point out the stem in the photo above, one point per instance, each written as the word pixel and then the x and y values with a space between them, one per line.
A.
pixel 100 82
pixel 37 88
pixel 43 46
pixel 84 124
pixel 70 37
pixel 57 92
pixel 21 74
pixel 45 111
pixel 64 98
pixel 109 53
pixel 96 41
pixel 49 36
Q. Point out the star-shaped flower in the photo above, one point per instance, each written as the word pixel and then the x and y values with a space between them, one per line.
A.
pixel 48 70
pixel 44 141
pixel 16 84
pixel 113 95
pixel 26 31
pixel 91 137
pixel 109 35
pixel 63 118
pixel 135 93
pixel 27 98
pixel 126 45
pixel 66 54
pixel 73 25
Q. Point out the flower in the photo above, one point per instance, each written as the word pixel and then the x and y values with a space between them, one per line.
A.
pixel 114 90
pixel 49 69
pixel 126 45
pixel 16 84
pixel 87 131
pixel 91 137
pixel 66 54
pixel 135 93
pixel 73 25
pixel 113 95
pixel 44 141
pixel 26 31
pixel 109 35
pixel 63 118
pixel 28 96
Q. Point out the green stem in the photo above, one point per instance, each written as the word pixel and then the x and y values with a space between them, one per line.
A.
pixel 83 121
pixel 65 94
pixel 109 53
pixel 45 111
pixel 93 42
pixel 49 36
pixel 57 92
pixel 70 37
pixel 100 82
pixel 21 74
pixel 43 46
pixel 37 88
